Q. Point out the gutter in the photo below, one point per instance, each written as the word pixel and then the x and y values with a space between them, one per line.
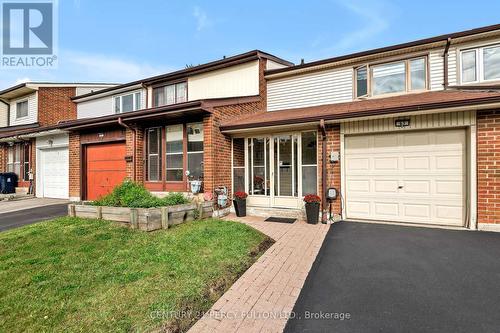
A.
pixel 322 128
pixel 445 63
pixel 121 123
pixel 8 111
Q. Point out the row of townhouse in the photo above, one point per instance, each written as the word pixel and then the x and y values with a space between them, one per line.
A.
pixel 407 133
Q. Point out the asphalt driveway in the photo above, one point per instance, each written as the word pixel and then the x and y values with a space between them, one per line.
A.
pixel 18 214
pixel 388 278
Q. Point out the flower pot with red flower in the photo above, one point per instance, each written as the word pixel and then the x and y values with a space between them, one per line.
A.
pixel 312 208
pixel 240 203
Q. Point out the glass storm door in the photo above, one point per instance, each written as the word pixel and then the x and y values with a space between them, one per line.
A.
pixel 285 189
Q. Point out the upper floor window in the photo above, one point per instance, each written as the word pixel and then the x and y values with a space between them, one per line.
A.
pixel 481 64
pixel 395 77
pixel 128 102
pixel 22 109
pixel 170 94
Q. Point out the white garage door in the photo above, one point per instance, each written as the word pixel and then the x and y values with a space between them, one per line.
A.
pixel 54 180
pixel 416 177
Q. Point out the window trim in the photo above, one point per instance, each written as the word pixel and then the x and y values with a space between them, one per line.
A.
pixel 171 83
pixel 134 101
pixel 479 50
pixel 25 100
pixel 183 153
pixel 159 154
pixel 407 61
pixel 22 163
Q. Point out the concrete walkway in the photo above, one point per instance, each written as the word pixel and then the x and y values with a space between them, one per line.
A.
pixel 17 205
pixel 263 297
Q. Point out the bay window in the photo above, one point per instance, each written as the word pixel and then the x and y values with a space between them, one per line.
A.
pixel 127 103
pixel 389 78
pixel 480 64
pixel 182 145
pixel 170 94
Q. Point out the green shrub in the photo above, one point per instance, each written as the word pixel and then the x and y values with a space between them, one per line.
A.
pixel 130 194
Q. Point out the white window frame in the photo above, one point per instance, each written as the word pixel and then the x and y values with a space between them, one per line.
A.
pixel 369 78
pixel 479 63
pixel 158 155
pixel 196 151
pixel 26 100
pixel 176 97
pixel 167 153
pixel 135 101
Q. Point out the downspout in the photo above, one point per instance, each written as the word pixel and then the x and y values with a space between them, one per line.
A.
pixel 445 64
pixel 8 111
pixel 121 123
pixel 322 127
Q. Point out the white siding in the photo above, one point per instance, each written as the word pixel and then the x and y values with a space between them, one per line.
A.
pixel 325 87
pixel 4 111
pixel 88 89
pixel 235 81
pixel 436 68
pixel 103 106
pixel 274 65
pixel 32 110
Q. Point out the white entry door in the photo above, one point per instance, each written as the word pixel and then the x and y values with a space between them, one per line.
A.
pixel 54 181
pixel 416 177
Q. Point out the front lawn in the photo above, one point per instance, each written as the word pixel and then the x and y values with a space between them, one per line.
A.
pixel 81 275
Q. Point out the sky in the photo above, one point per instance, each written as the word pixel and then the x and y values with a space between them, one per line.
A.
pixel 120 41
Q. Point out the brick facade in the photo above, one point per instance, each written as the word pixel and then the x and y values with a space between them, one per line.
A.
pixel 488 166
pixel 332 169
pixel 75 172
pixel 55 105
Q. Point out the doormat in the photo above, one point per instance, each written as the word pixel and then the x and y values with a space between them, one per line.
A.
pixel 280 219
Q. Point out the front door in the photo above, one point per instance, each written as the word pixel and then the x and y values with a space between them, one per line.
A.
pixel 272 170
pixel 285 171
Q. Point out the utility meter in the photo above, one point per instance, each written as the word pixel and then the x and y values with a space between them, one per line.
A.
pixel 331 194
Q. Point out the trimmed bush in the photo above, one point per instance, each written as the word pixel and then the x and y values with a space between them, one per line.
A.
pixel 130 194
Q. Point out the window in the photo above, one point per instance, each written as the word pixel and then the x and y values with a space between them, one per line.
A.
pixel 309 163
pixel 26 163
pixel 259 149
pixel 128 103
pixel 239 165
pixel 395 77
pixel 389 78
pixel 195 150
pixel 469 72
pixel 170 94
pixel 22 109
pixel 153 153
pixel 480 65
pixel 14 159
pixel 175 152
pixel 361 81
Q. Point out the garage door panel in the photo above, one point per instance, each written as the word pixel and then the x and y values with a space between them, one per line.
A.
pixel 54 180
pixel 421 179
pixel 105 168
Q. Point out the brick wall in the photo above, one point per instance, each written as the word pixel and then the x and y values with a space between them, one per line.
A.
pixel 138 163
pixel 332 169
pixel 54 105
pixel 217 146
pixel 74 166
pixel 3 158
pixel 488 166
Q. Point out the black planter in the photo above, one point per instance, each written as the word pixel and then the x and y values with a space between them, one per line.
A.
pixel 240 206
pixel 312 212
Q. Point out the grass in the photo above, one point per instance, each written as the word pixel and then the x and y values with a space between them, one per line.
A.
pixel 83 275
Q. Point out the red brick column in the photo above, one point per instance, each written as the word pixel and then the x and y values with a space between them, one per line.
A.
pixel 488 166
pixel 75 172
pixel 3 158
pixel 332 169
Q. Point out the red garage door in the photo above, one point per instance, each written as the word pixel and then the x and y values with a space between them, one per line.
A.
pixel 105 167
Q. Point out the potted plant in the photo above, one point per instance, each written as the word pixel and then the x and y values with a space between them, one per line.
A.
pixel 312 208
pixel 240 203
